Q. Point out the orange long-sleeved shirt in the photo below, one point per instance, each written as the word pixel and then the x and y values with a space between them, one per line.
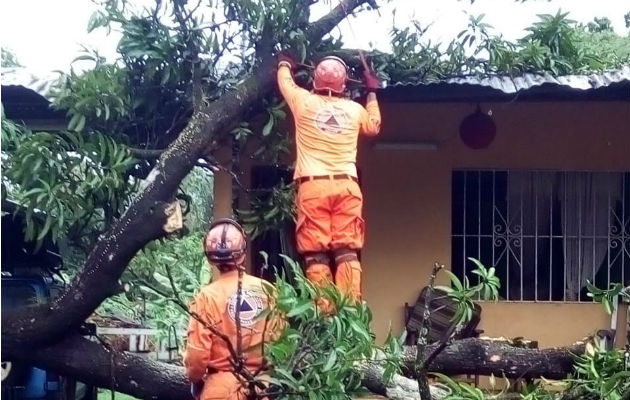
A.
pixel 326 128
pixel 216 304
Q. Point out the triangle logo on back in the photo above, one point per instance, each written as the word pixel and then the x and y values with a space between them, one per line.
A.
pixel 245 306
pixel 332 121
pixel 251 306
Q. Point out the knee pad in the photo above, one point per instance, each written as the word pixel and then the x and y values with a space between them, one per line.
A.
pixel 316 258
pixel 317 269
pixel 345 255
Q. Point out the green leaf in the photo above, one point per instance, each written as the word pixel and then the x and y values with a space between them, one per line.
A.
pixel 477 263
pixel 608 306
pixel 299 309
pixel 46 228
pixel 332 358
pixel 73 121
pixel 80 123
pixel 268 126
pixel 454 280
pixel 97 19
pixel 161 279
pixel 446 289
pixel 166 76
pixel 84 57
pixel 288 376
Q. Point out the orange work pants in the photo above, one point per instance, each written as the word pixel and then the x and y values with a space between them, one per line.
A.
pixel 329 220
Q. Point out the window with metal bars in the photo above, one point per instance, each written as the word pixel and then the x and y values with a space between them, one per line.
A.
pixel 547 233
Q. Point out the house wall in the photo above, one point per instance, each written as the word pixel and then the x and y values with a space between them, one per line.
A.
pixel 408 200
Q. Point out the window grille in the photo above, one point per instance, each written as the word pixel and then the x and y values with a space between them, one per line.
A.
pixel 546 232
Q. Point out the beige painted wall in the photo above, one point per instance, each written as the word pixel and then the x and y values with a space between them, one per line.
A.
pixel 408 200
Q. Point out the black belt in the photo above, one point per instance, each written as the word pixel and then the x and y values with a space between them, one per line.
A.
pixel 303 179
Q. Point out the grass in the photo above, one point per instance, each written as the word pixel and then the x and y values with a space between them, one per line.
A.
pixel 104 394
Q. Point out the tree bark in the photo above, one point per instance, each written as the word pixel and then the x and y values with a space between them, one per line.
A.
pixel 142 222
pixel 92 363
pixel 485 357
pixel 398 388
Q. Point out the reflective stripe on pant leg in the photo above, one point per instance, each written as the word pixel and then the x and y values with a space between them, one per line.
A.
pixel 345 254
pixel 318 272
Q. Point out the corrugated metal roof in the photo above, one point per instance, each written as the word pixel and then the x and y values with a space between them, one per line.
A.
pixel 513 84
pixel 506 84
pixel 21 77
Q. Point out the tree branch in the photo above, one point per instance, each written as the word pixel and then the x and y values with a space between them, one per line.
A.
pixel 325 24
pixel 443 343
pixel 146 154
pixel 93 363
pixel 485 357
pixel 420 366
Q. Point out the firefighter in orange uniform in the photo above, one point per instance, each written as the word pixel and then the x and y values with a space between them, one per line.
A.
pixel 329 200
pixel 209 364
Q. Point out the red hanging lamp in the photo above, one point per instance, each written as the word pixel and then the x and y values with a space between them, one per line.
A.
pixel 477 130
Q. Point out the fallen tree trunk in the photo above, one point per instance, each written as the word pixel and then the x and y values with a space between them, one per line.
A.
pixel 93 363
pixel 486 357
pixel 397 388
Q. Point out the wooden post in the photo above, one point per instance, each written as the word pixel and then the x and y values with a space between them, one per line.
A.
pixel 222 207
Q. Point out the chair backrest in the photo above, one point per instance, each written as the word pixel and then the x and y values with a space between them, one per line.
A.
pixel 442 311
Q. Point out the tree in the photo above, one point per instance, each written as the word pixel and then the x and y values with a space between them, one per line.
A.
pixel 9 60
pixel 600 25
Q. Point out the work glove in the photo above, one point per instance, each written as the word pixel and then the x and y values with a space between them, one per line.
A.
pixel 370 80
pixel 195 389
pixel 284 56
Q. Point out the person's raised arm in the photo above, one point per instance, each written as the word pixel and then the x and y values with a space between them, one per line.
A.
pixel 290 91
pixel 371 117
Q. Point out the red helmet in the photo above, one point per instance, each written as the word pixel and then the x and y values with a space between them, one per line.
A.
pixel 331 74
pixel 225 244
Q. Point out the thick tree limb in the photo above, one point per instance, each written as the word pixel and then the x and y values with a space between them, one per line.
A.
pixel 98 280
pixel 326 23
pixel 485 357
pixel 398 388
pixel 93 363
pixel 143 220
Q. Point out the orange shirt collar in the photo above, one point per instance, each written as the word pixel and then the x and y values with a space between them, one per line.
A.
pixel 227 274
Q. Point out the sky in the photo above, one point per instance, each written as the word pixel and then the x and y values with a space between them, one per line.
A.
pixel 46 35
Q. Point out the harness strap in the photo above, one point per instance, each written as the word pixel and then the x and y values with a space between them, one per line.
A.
pixel 316 258
pixel 345 255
